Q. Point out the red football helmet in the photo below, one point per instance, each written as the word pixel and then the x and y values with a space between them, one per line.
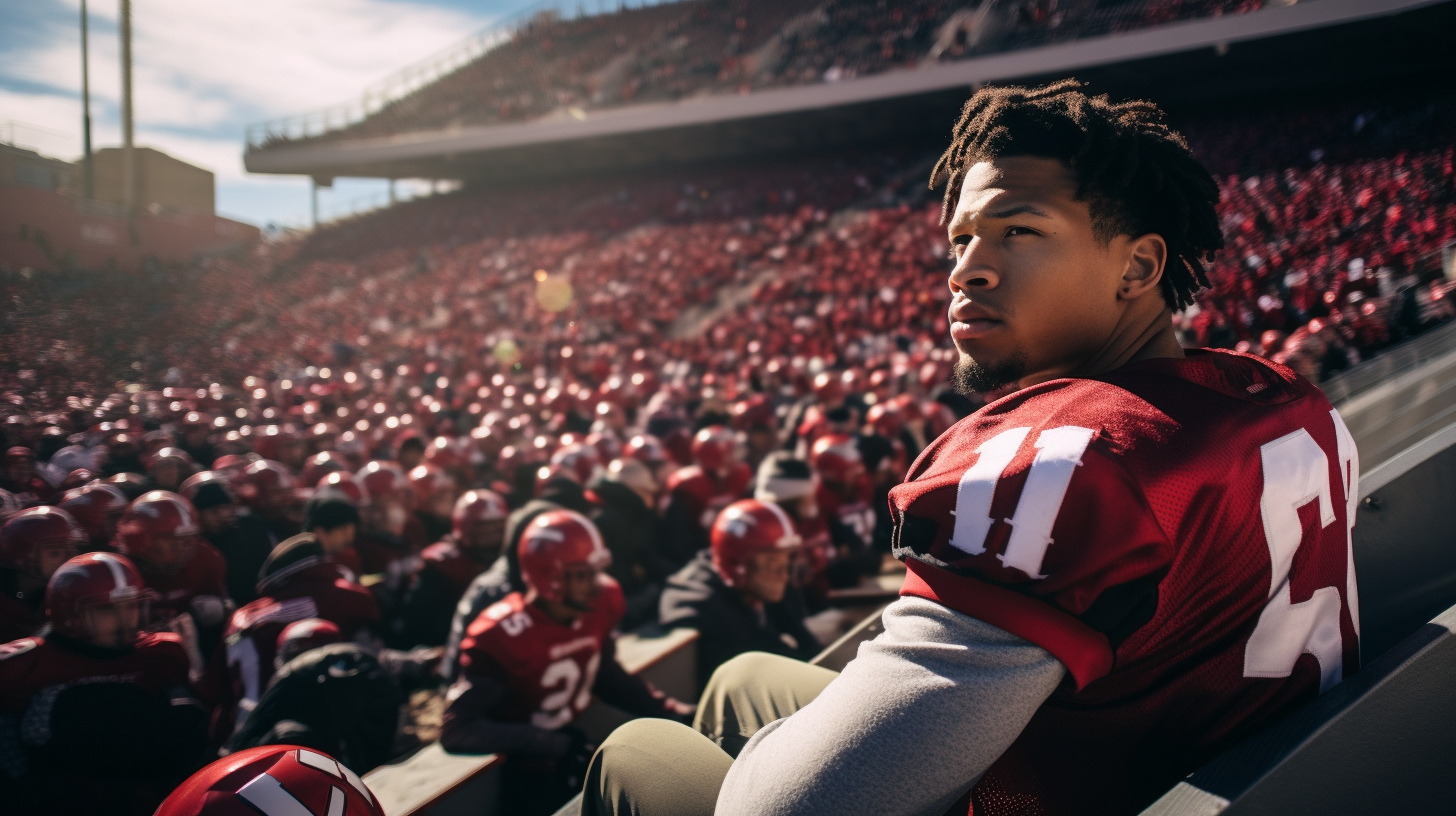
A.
pixel 646 449
pixel 747 527
pixel 89 580
pixel 79 477
pixel 27 532
pixel 344 483
pixel 581 459
pixel 263 483
pixel 181 457
pixel 302 635
pixel 885 418
pixel 274 441
pixel 320 465
pixel 837 460
pixel 447 453
pixel 553 541
pixel 96 507
pixel 273 779
pixel 433 487
pixel 384 481
pixel 233 464
pixel 715 448
pixel 476 506
pixel 197 481
pixel 9 505
pixel 147 525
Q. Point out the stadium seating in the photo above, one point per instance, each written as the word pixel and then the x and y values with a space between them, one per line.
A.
pixel 1380 742
pixel 551 66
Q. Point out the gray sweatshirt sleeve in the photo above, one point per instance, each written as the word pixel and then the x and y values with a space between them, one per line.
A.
pixel 913 721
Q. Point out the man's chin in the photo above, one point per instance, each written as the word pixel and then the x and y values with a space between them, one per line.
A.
pixel 972 377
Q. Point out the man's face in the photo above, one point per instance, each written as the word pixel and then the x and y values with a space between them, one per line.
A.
pixel 168 550
pixel 50 555
pixel 579 586
pixel 768 575
pixel 114 626
pixel 1034 293
pixel 338 539
pixel 485 539
pixel 217 519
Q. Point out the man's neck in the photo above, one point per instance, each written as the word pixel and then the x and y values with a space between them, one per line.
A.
pixel 557 611
pixel 1150 337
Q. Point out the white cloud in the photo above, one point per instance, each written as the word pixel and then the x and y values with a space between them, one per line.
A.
pixel 206 64
pixel 203 71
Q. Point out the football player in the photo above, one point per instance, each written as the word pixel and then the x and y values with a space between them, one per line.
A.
pixel 533 662
pixel 738 594
pixel 160 534
pixel 437 578
pixel 34 543
pixel 97 507
pixel 299 580
pixel 1133 557
pixel 232 529
pixel 99 698
pixel 696 493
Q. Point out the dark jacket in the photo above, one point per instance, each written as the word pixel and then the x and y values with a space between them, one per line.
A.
pixel 697 598
pixel 629 528
pixel 244 546
pixel 338 698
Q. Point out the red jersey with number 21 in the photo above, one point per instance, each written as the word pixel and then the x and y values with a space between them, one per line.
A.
pixel 548 667
pixel 1175 532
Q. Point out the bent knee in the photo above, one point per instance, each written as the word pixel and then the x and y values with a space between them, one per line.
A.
pixel 645 732
pixel 746 669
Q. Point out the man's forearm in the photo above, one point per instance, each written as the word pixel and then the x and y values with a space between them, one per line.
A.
pixel 906 729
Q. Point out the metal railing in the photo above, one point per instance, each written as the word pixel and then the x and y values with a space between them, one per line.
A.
pixel 1390 363
pixel 413 77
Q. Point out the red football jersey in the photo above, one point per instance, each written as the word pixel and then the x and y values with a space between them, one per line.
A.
pixel 548 668
pixel 251 640
pixel 204 574
pixel 1176 532
pixel 30 666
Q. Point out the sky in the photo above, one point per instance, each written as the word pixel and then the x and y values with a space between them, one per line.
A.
pixel 206 69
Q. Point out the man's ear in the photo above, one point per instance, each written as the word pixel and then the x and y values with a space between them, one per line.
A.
pixel 1147 254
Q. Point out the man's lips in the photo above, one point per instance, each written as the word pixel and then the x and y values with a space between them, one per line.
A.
pixel 972 329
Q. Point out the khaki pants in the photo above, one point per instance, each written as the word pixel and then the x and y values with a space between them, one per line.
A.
pixel 661 768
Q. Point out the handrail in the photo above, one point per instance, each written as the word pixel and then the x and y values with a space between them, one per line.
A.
pixel 417 75
pixel 1390 362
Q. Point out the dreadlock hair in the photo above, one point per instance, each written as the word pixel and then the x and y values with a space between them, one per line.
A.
pixel 1135 173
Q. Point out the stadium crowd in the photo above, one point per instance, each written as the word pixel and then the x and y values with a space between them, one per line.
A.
pixel 659 53
pixel 428 447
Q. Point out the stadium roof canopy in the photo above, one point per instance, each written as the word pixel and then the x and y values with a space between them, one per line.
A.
pixel 1280 48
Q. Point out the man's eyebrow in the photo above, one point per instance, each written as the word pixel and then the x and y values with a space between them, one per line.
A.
pixel 1010 212
pixel 1018 209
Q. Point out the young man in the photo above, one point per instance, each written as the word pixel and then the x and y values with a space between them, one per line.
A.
pixel 737 594
pixel 533 662
pixel 426 588
pixel 96 716
pixel 34 543
pixel 1134 558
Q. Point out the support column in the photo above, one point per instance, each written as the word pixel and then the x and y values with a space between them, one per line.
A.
pixel 128 153
pixel 88 177
pixel 313 186
pixel 392 199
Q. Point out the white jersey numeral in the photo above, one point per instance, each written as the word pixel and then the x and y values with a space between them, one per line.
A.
pixel 1296 473
pixel 1058 453
pixel 562 705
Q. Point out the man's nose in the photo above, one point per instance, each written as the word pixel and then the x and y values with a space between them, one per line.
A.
pixel 976 268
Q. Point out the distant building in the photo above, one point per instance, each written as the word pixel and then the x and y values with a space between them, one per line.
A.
pixel 164 185
pixel 45 222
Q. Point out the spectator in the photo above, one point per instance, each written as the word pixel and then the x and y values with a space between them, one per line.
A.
pixel 737 595
pixel 627 494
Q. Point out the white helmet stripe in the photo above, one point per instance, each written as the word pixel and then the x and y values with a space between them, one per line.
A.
pixel 791 536
pixel 271 799
pixel 336 802
pixel 321 762
pixel 117 573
